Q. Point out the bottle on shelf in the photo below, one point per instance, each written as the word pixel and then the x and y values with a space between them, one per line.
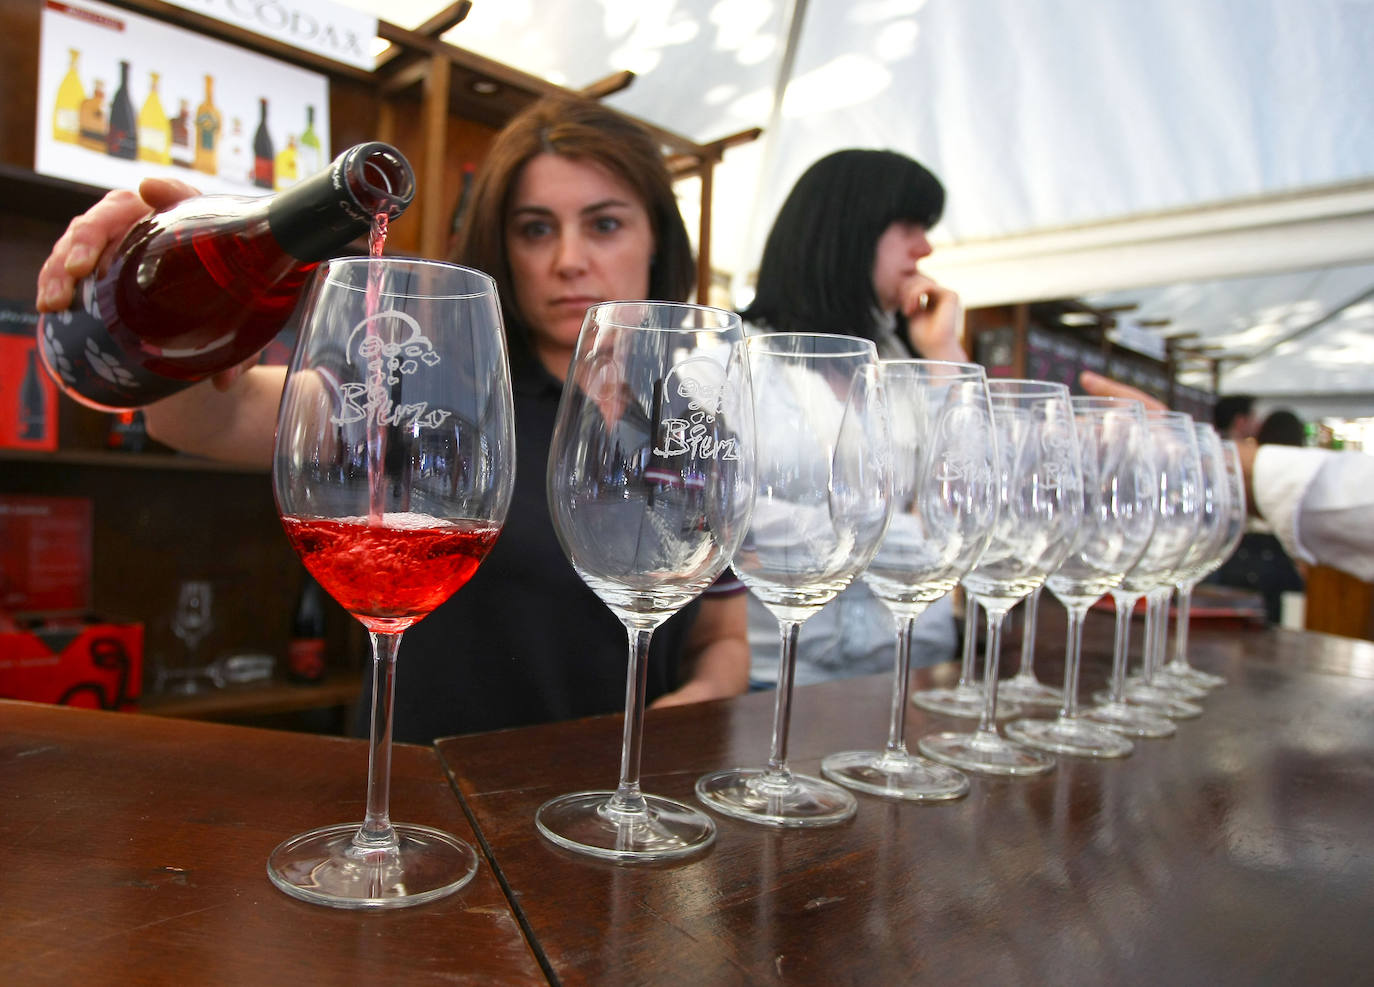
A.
pixel 154 129
pixel 309 155
pixel 286 173
pixel 66 114
pixel 204 285
pixel 121 140
pixel 460 208
pixel 181 136
pixel 263 159
pixel 128 432
pixel 305 657
pixel 33 412
pixel 237 165
pixel 92 119
pixel 207 126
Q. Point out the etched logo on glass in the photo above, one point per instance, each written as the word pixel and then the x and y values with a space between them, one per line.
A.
pixel 392 346
pixel 694 393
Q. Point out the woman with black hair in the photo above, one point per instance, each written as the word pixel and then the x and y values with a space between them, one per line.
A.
pixel 842 257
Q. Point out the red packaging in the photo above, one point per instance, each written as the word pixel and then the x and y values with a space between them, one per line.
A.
pixel 74 662
pixel 45 553
pixel 28 396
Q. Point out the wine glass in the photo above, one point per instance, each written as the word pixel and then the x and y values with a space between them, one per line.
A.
pixel 965 697
pixel 392 471
pixel 1024 687
pixel 1147 686
pixel 650 485
pixel 1040 508
pixel 1177 470
pixel 944 504
pixel 192 620
pixel 820 510
pixel 1118 519
pixel 1226 481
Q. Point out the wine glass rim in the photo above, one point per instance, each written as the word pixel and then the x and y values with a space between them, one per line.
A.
pixel 962 369
pixel 730 321
pixel 1091 403
pixel 329 267
pixel 1008 387
pixel 850 345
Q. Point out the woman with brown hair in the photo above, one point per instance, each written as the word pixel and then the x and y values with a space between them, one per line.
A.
pixel 572 206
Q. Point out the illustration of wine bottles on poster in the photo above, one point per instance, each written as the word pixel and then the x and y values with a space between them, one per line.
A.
pixel 123 97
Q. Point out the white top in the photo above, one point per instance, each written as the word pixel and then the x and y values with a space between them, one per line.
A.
pixel 1321 504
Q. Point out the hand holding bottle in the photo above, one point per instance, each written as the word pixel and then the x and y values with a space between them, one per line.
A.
pixel 91 238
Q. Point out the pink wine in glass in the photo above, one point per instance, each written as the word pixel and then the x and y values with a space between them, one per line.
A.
pixel 389 577
pixel 204 285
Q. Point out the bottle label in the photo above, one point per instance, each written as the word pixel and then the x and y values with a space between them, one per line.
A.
pixel 89 364
pixel 305 659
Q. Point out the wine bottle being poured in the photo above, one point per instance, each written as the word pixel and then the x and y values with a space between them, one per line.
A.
pixel 202 286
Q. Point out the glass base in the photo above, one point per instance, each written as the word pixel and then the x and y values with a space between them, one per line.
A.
pixel 1154 701
pixel 961 701
pixel 1027 689
pixel 1134 721
pixel 586 822
pixel 1069 735
pixel 327 866
pixel 985 753
pixel 1188 675
pixel 760 796
pixel 1172 688
pixel 895 776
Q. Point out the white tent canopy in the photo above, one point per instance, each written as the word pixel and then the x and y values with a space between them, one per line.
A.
pixel 1209 161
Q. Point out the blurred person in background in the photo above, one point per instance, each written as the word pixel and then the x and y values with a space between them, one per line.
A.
pixel 843 257
pixel 1234 417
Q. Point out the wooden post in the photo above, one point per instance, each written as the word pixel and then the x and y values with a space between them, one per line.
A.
pixel 433 232
pixel 704 236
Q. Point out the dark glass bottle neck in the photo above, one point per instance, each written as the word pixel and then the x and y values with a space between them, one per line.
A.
pixel 314 219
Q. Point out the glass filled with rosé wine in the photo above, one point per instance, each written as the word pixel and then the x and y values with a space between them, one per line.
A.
pixel 392 471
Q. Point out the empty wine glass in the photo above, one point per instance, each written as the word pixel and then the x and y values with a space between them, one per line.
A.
pixel 1024 687
pixel 965 697
pixel 392 471
pixel 944 503
pixel 821 506
pixel 1178 469
pixel 192 620
pixel 1118 519
pixel 1040 508
pixel 1223 472
pixel 650 483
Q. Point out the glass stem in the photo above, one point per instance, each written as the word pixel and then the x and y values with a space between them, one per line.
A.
pixel 966 666
pixel 628 798
pixel 1185 603
pixel 987 722
pixel 1027 669
pixel 1159 599
pixel 1121 647
pixel 1073 658
pixel 1147 651
pixel 778 772
pixel 376 832
pixel 901 678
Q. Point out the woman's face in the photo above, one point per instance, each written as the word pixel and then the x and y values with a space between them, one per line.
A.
pixel 902 245
pixel 575 235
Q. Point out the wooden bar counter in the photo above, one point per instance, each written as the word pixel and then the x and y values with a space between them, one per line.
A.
pixel 136 853
pixel 1241 851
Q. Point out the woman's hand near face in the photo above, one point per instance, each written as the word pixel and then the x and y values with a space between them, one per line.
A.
pixel 932 316
pixel 91 238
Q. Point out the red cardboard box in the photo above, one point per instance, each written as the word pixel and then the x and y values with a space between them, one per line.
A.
pixel 74 662
pixel 28 396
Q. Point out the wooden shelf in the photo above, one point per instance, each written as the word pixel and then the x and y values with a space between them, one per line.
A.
pixel 337 689
pixel 127 460
pixel 44 197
